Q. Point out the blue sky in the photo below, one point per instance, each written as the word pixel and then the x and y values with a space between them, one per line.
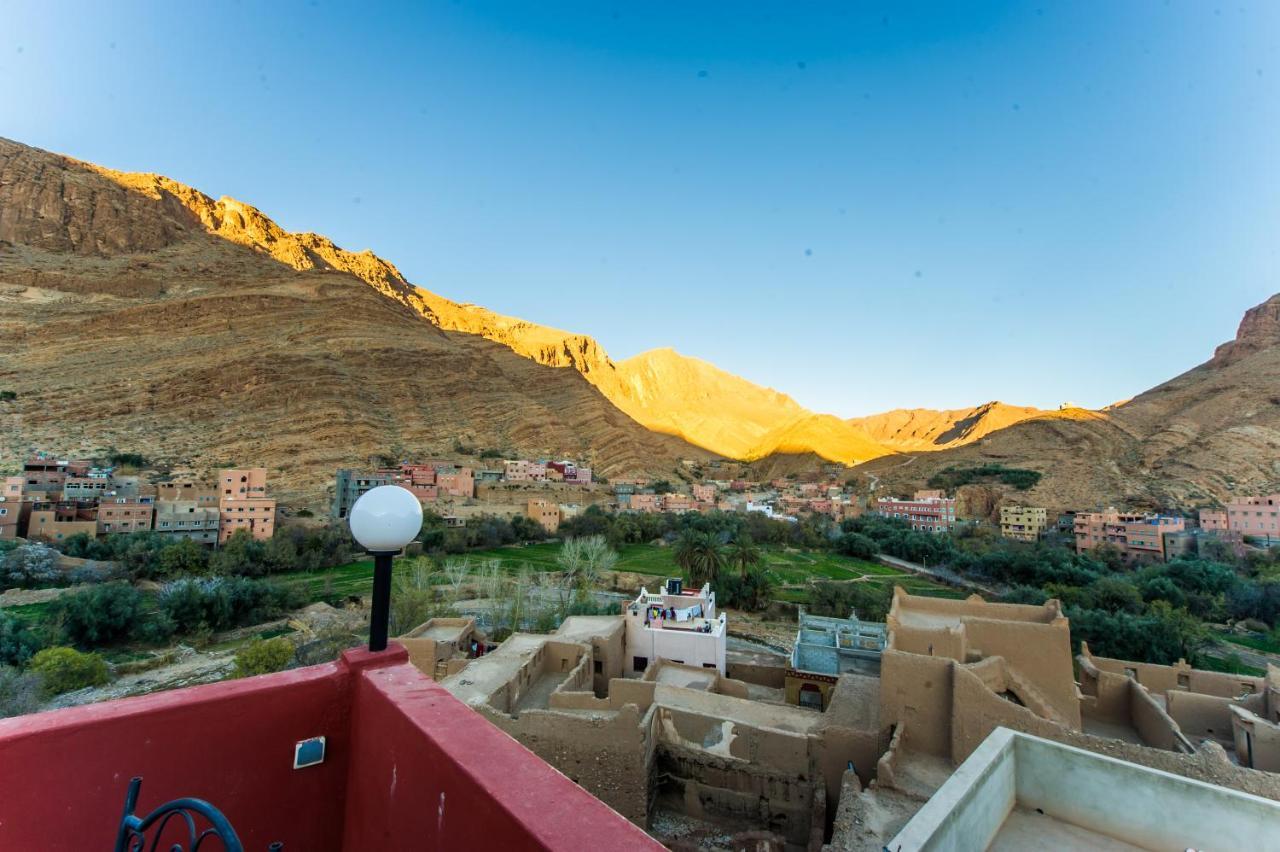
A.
pixel 865 205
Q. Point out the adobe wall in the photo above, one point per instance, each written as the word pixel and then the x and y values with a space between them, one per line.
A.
pixel 425 653
pixel 1256 739
pixel 915 691
pixel 929 642
pixel 606 753
pixel 1105 695
pixel 1156 728
pixel 1162 679
pixel 773 676
pixel 974 606
pixel 1041 653
pixel 1200 716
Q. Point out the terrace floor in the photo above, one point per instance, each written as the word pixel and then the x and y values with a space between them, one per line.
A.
pixel 1027 829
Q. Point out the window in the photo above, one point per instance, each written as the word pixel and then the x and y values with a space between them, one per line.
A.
pixel 639 664
pixel 598 666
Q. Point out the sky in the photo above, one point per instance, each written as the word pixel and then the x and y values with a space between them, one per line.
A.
pixel 865 205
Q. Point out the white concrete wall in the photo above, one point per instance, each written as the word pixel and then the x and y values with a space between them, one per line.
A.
pixel 1144 807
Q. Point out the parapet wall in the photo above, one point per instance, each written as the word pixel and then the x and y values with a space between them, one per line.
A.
pixel 1163 679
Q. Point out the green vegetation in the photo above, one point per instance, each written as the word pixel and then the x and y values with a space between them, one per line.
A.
pixel 263 656
pixel 8 396
pixel 64 669
pixel 950 478
pixel 20 692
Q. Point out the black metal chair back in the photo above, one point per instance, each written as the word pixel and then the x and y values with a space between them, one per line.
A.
pixel 132 836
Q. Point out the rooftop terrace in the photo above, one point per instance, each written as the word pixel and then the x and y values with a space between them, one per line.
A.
pixel 406 766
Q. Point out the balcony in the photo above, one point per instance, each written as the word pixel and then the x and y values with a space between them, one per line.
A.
pixel 406 766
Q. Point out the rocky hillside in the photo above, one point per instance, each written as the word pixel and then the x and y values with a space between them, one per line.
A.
pixel 1211 432
pixel 138 313
pixel 929 429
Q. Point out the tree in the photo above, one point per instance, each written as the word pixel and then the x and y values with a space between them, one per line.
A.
pixel 101 615
pixel 183 557
pixel 413 601
pixel 856 545
pixel 64 669
pixel 28 566
pixel 583 559
pixel 743 554
pixel 263 656
pixel 699 556
pixel 20 692
pixel 17 641
pixel 241 555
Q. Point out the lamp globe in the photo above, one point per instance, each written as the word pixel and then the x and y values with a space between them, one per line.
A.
pixel 385 519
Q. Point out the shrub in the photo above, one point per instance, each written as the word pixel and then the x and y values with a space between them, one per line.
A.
pixel 101 615
pixel 953 477
pixel 29 566
pixel 64 669
pixel 856 545
pixel 263 656
pixel 20 692
pixel 17 642
pixel 8 396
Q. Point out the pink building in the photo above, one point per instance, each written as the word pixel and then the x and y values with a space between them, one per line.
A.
pixel 1258 517
pixel 243 504
pixel 458 482
pixel 677 503
pixel 931 514
pixel 1137 535
pixel 523 470
pixel 1213 519
pixel 704 493
pixel 125 513
pixel 646 503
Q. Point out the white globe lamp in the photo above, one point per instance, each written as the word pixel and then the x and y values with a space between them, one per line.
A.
pixel 383 521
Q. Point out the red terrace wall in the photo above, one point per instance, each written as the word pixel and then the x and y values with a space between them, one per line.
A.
pixel 433 774
pixel 63 774
pixel 408 766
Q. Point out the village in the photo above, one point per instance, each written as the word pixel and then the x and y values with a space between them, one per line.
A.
pixel 713 729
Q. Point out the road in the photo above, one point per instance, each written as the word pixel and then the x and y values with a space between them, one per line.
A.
pixel 941 574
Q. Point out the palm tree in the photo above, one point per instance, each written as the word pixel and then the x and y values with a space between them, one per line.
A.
pixel 743 554
pixel 699 556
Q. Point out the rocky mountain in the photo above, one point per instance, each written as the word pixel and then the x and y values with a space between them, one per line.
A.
pixel 930 429
pixel 139 313
pixel 1209 433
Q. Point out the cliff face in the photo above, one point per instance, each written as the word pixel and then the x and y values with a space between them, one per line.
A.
pixel 1200 437
pixel 139 313
pixel 1259 330
pixel 59 205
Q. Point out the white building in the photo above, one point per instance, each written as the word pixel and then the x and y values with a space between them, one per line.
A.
pixel 678 625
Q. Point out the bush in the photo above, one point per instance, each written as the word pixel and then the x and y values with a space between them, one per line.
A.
pixel 20 692
pixel 17 642
pixel 64 669
pixel 29 566
pixel 856 545
pixel 100 616
pixel 221 603
pixel 953 477
pixel 263 656
pixel 869 601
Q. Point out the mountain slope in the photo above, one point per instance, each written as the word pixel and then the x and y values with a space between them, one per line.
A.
pixel 929 429
pixel 139 313
pixel 1209 433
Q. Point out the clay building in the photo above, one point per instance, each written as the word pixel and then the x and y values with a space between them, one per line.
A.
pixel 826 648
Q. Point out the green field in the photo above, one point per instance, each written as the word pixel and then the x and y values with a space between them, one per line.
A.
pixel 788 568
pixel 1256 641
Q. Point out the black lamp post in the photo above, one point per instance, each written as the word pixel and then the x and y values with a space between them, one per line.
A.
pixel 383 521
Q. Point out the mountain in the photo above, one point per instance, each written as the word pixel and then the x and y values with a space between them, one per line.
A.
pixel 139 313
pixel 1212 432
pixel 929 429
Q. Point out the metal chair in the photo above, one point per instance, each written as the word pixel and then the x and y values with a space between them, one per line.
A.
pixel 132 836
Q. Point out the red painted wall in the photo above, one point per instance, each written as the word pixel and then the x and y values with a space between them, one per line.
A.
pixel 432 774
pixel 408 766
pixel 63 774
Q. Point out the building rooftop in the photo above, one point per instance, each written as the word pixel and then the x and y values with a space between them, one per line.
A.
pixel 837 645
